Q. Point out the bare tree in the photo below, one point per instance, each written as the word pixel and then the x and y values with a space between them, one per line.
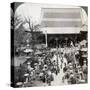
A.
pixel 33 30
pixel 22 34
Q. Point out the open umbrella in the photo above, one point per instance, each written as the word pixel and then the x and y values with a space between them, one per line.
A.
pixel 84 56
pixel 27 57
pixel 83 42
pixel 38 53
pixel 84 49
pixel 19 83
pixel 28 50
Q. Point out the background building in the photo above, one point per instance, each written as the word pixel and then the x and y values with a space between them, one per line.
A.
pixel 64 24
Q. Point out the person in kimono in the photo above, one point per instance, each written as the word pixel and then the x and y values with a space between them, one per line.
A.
pixel 85 70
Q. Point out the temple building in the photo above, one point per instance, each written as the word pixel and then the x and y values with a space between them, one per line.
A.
pixel 63 25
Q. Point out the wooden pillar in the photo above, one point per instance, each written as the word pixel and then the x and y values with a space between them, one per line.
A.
pixel 46 38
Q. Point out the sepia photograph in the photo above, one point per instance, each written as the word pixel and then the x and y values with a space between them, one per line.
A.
pixel 49 44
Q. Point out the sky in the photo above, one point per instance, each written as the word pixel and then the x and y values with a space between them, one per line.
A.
pixel 29 10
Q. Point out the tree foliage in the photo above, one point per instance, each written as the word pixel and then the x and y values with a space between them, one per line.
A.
pixel 21 35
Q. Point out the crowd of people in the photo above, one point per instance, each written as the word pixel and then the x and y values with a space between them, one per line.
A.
pixel 41 67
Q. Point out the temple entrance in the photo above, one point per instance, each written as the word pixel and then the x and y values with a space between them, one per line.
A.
pixel 61 40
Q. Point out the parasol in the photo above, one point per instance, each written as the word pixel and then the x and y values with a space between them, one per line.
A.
pixel 28 63
pixel 27 57
pixel 28 50
pixel 82 81
pixel 83 42
pixel 19 83
pixel 85 56
pixel 26 74
pixel 84 49
pixel 38 53
pixel 53 50
pixel 76 53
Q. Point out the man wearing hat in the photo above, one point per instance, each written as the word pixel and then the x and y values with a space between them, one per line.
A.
pixel 44 71
pixel 85 70
pixel 54 66
pixel 72 79
pixel 36 70
pixel 29 66
pixel 30 71
pixel 80 72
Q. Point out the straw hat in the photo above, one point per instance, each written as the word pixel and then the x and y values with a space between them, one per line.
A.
pixel 72 75
pixel 41 74
pixel 70 64
pixel 84 61
pixel 28 63
pixel 71 71
pixel 45 65
pixel 26 74
pixel 19 83
pixel 79 66
pixel 49 73
pixel 35 64
pixel 71 67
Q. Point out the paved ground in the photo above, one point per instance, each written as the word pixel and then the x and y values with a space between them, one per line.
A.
pixel 58 78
